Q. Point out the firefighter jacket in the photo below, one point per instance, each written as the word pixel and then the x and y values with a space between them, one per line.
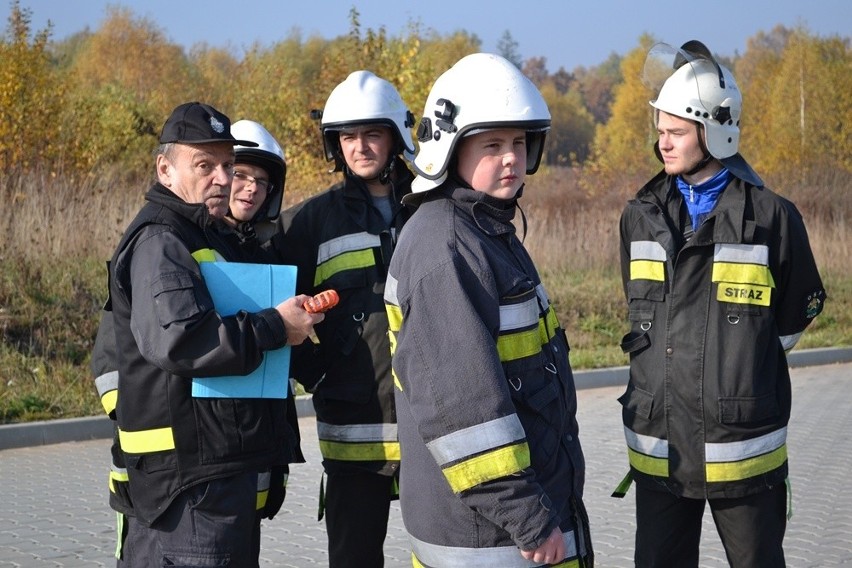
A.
pixel 711 313
pixel 486 401
pixel 339 240
pixel 166 332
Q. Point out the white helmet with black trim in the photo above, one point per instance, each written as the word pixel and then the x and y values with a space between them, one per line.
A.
pixel 364 98
pixel 698 88
pixel 482 91
pixel 267 155
pixel 694 86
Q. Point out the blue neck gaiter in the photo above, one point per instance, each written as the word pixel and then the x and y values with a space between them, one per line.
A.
pixel 701 199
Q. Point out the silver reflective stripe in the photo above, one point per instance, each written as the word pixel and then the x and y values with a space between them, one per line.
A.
pixel 790 341
pixel 542 296
pixel 357 432
pixel 120 471
pixel 742 254
pixel 647 250
pixel 390 290
pixel 263 481
pixel 736 451
pixel 476 439
pixel 647 445
pixel 107 382
pixel 486 557
pixel 519 316
pixel 346 243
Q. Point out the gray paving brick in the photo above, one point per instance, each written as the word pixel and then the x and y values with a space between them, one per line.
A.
pixel 54 511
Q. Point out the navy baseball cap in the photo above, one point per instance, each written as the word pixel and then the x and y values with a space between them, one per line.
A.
pixel 197 123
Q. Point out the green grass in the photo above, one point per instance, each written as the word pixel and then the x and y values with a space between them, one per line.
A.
pixel 49 314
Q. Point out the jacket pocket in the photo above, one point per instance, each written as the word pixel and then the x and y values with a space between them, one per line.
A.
pixel 174 297
pixel 741 410
pixel 637 401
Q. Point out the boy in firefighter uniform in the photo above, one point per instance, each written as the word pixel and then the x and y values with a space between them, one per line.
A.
pixel 342 239
pixel 720 282
pixel 492 469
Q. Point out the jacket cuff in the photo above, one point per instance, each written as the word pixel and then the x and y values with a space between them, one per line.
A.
pixel 274 334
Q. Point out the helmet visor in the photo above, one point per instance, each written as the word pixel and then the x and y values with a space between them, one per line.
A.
pixel 664 60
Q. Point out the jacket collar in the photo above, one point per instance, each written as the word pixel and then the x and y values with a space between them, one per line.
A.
pixel 195 212
pixel 493 216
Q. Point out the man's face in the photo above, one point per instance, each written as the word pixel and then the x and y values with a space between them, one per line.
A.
pixel 366 149
pixel 494 161
pixel 199 173
pixel 248 191
pixel 679 144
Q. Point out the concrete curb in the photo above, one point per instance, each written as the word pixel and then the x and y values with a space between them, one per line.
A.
pixel 98 427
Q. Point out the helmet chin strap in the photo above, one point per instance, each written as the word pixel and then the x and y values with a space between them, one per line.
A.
pixel 708 157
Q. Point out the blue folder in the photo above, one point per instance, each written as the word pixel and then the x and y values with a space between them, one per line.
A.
pixel 236 286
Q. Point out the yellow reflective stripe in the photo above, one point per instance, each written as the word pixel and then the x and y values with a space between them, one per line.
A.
pixel 743 294
pixel 648 464
pixel 262 496
pixel 346 261
pixel 488 466
pixel 396 382
pixel 351 451
pixel 476 439
pixel 109 400
pixel 647 270
pixel 207 255
pixel 547 326
pixel 117 476
pixel 742 274
pixel 736 471
pixel 147 441
pixel 394 317
pixel 518 345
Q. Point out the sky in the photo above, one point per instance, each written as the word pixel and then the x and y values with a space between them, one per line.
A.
pixel 568 33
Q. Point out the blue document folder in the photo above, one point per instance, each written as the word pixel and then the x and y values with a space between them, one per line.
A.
pixel 237 286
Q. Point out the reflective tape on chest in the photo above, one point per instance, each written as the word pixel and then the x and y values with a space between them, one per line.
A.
pixel 742 274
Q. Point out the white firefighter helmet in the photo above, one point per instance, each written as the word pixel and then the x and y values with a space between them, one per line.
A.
pixel 694 86
pixel 481 91
pixel 364 98
pixel 267 155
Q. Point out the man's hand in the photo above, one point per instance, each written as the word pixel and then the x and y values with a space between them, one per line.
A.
pixel 551 552
pixel 298 323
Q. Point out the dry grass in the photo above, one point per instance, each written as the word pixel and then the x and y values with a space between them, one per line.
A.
pixel 57 233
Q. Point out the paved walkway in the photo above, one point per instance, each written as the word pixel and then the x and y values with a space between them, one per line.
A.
pixel 54 512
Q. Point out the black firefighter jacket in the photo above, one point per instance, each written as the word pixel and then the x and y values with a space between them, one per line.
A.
pixel 706 408
pixel 491 459
pixel 339 240
pixel 167 332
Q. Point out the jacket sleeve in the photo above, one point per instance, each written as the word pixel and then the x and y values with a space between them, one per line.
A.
pixel 173 319
pixel 801 294
pixel 447 363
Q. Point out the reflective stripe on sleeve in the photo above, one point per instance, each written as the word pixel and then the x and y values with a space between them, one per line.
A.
pixel 358 442
pixel 207 255
pixel 482 452
pixel 428 554
pixel 107 385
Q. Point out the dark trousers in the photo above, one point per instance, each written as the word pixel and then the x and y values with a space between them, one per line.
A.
pixel 668 528
pixel 209 524
pixel 356 518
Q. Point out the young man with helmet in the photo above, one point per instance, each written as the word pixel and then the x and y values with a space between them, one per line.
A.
pixel 492 469
pixel 343 239
pixel 720 281
pixel 257 189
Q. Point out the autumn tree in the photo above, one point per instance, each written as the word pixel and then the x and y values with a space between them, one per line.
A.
pixel 30 95
pixel 572 127
pixel 622 149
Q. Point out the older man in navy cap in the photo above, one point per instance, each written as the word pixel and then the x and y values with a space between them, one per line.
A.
pixel 189 491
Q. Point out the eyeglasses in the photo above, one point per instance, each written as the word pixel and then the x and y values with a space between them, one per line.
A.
pixel 263 184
